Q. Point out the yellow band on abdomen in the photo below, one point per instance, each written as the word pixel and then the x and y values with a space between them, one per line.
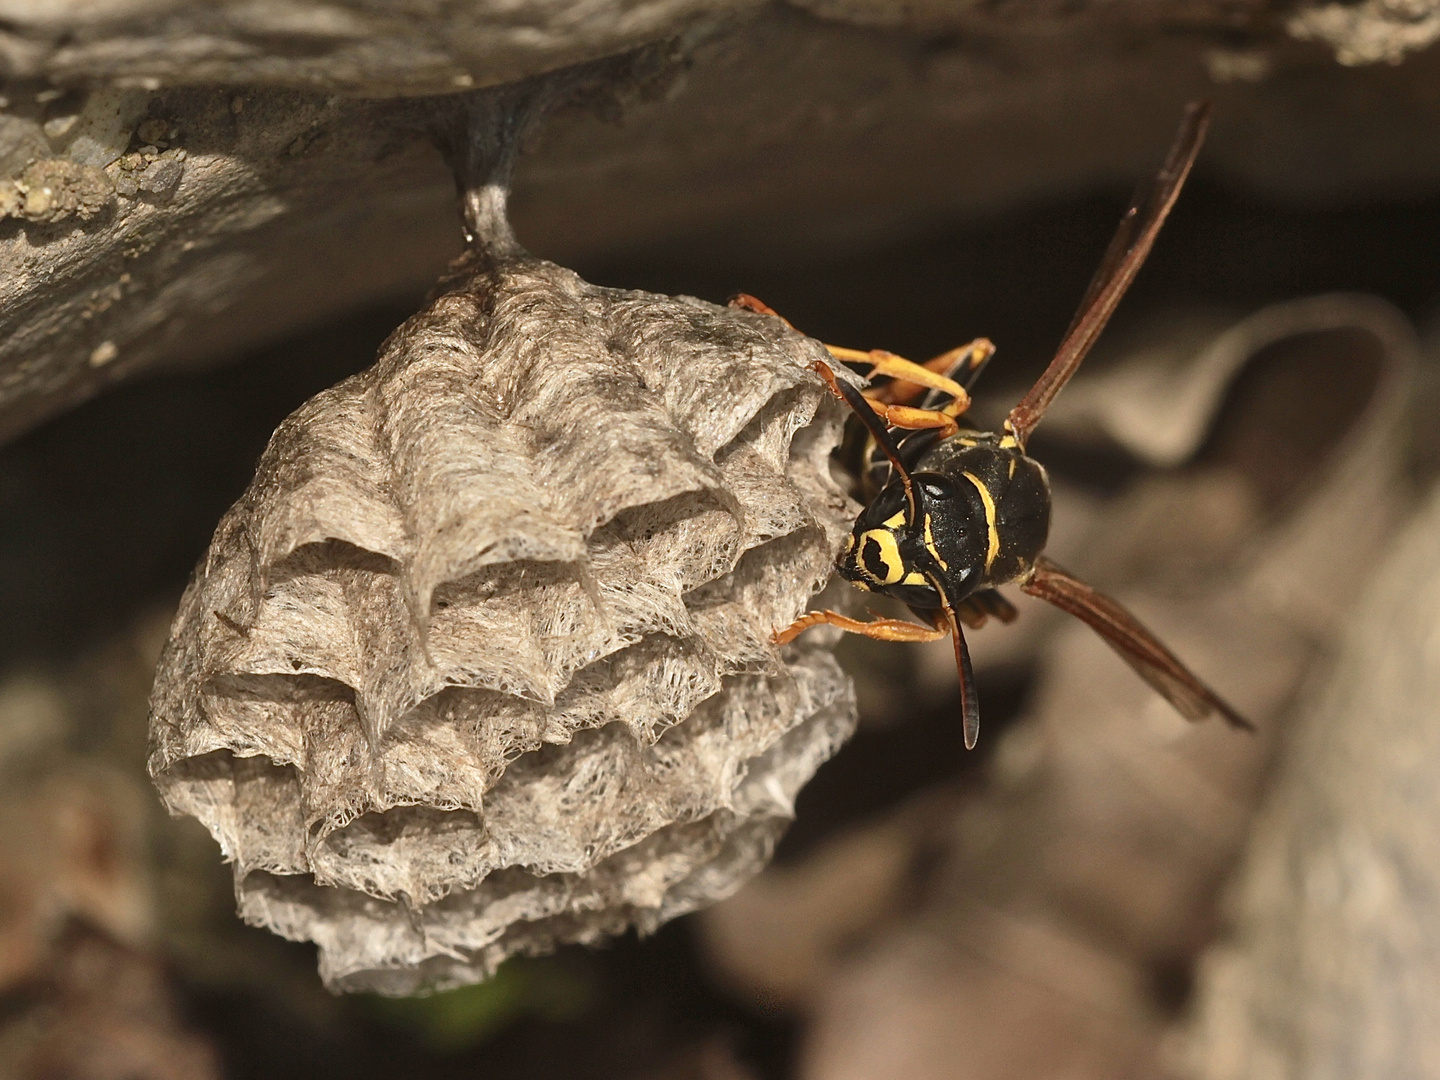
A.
pixel 989 503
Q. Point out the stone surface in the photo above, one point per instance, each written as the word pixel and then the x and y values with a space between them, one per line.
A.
pixel 760 135
pixel 410 48
pixel 1332 965
pixel 347 46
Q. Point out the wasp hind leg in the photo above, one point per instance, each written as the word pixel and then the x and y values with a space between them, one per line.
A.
pixel 977 608
pixel 935 375
pixel 897 367
pixel 879 629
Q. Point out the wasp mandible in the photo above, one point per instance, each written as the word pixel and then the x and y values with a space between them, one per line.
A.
pixel 953 513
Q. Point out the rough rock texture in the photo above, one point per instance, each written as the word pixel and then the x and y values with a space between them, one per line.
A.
pixel 752 135
pixel 1371 31
pixel 180 231
pixel 414 48
pixel 1332 968
pixel 349 46
pixel 480 663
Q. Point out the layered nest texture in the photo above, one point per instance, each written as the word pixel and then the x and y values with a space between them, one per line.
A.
pixel 480 663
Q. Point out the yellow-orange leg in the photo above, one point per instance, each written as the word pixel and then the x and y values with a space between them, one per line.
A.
pixel 974 354
pixel 903 392
pixel 879 629
pixel 897 367
pixel 746 302
pixel 912 419
pixel 881 362
pixel 899 416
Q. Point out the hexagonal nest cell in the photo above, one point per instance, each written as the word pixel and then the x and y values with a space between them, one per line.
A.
pixel 480 663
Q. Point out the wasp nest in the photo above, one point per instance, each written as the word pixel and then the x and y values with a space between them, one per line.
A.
pixel 480 663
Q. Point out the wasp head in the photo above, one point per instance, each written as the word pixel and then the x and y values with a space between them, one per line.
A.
pixel 890 553
pixel 981 518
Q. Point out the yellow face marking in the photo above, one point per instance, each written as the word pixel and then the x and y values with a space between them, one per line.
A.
pixel 895 520
pixel 1012 468
pixel 930 545
pixel 914 577
pixel 989 503
pixel 886 552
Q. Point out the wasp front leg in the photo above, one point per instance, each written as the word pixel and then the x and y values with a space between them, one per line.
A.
pixel 960 366
pixel 908 418
pixel 746 302
pixel 879 629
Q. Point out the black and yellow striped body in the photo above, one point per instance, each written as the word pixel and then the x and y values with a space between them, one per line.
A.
pixel 986 519
pixel 951 514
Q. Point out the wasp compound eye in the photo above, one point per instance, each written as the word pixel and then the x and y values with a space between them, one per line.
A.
pixel 889 506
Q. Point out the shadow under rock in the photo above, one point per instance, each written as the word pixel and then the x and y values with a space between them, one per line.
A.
pixel 626 1010
pixel 109 506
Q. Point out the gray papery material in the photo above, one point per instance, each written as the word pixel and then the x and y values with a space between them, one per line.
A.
pixel 480 662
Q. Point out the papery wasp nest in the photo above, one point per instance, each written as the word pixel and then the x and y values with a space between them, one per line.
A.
pixel 480 663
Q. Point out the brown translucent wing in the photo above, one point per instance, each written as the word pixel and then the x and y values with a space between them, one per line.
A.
pixel 1123 258
pixel 1139 648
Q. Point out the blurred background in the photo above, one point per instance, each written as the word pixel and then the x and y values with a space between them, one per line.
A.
pixel 1098 890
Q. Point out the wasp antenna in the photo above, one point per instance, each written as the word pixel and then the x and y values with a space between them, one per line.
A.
pixel 1136 645
pixel 969 697
pixel 1121 262
pixel 873 424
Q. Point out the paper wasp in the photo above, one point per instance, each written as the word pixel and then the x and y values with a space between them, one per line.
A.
pixel 952 513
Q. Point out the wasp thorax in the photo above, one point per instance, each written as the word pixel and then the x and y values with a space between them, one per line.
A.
pixel 988 507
